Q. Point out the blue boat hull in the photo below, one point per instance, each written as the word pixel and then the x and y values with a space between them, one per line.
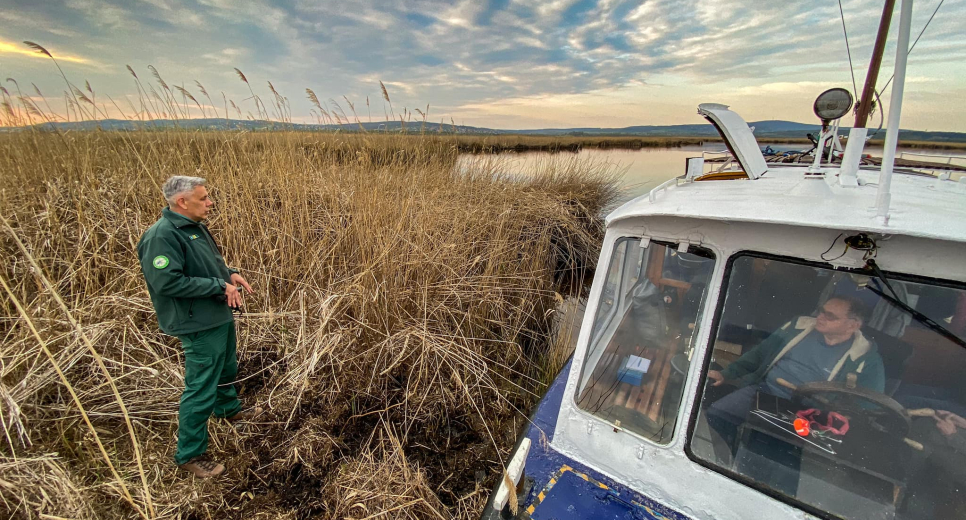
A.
pixel 560 488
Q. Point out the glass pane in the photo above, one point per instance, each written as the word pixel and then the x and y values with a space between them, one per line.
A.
pixel 640 348
pixel 823 390
pixel 609 292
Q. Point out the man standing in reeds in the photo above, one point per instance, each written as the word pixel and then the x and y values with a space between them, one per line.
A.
pixel 194 292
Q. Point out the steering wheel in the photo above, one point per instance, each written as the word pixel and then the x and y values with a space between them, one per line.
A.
pixel 879 410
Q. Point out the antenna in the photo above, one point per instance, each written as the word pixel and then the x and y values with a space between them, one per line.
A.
pixel 884 197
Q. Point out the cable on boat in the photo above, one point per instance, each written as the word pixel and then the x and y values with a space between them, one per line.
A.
pixel 878 103
pixel 822 256
pixel 865 243
pixel 917 39
pixel 920 317
pixel 855 91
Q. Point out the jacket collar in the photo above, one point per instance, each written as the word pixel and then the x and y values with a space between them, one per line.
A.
pixel 178 220
pixel 806 324
pixel 860 344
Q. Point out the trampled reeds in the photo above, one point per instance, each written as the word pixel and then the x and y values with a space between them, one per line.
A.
pixel 400 330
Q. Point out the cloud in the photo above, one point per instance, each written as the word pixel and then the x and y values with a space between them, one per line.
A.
pixel 13 49
pixel 470 54
pixel 226 57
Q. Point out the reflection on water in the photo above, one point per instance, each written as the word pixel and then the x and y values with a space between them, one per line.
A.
pixel 642 170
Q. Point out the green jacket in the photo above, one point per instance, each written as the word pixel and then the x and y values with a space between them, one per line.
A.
pixel 862 359
pixel 186 275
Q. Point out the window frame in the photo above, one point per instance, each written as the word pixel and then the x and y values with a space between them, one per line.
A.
pixel 716 254
pixel 597 333
pixel 709 350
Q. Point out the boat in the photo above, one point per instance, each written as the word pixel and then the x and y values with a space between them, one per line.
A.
pixel 766 341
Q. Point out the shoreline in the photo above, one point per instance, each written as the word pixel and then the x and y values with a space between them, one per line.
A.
pixel 516 143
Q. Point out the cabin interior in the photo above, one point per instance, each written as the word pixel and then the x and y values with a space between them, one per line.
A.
pixel 641 351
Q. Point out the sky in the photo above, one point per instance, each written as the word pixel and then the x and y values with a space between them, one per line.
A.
pixel 505 64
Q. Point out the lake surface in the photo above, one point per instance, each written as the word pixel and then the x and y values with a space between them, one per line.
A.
pixel 642 170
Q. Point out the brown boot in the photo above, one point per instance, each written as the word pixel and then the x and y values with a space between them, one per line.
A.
pixel 246 415
pixel 203 467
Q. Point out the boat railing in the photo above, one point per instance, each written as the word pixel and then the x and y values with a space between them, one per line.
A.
pixel 725 164
pixel 948 158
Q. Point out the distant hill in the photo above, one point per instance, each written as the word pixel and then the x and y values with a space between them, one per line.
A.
pixel 251 125
pixel 763 129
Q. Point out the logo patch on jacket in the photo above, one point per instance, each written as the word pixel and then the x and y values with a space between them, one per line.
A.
pixel 160 262
pixel 194 237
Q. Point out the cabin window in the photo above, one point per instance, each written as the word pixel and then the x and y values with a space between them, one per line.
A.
pixel 640 347
pixel 822 392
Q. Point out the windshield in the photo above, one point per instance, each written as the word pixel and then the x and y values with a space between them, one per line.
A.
pixel 640 347
pixel 824 394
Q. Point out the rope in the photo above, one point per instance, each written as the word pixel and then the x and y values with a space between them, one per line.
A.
pixel 855 91
pixel 915 42
pixel 881 110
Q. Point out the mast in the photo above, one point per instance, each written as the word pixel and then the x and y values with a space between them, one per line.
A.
pixel 858 132
pixel 883 197
pixel 868 91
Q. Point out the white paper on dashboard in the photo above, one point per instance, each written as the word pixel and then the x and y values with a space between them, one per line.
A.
pixel 638 364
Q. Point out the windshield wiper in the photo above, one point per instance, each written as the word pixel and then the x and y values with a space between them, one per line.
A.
pixel 920 317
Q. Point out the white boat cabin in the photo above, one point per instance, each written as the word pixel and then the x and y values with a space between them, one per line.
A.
pixel 741 358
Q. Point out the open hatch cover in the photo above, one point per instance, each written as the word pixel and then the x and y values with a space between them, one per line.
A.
pixel 737 136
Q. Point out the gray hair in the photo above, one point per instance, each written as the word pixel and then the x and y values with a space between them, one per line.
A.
pixel 179 184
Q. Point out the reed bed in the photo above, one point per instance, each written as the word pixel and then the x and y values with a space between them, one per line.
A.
pixel 566 143
pixel 402 326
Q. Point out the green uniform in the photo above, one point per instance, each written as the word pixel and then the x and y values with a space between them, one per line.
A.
pixel 186 277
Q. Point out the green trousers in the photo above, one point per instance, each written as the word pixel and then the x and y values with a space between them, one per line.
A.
pixel 210 368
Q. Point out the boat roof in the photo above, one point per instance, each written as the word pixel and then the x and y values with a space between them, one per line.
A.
pixel 922 206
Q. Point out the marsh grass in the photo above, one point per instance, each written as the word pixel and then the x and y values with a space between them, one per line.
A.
pixel 401 325
pixel 404 322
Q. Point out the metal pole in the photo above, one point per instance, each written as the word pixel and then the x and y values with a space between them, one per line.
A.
pixel 816 167
pixel 865 100
pixel 883 197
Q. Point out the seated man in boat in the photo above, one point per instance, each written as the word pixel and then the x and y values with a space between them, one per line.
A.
pixel 830 347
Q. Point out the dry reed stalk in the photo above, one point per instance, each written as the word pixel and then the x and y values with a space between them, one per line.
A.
pixel 42 484
pixel 47 53
pixel 73 395
pixel 396 282
pixel 382 483
pixel 385 96
pixel 97 357
pixel 258 102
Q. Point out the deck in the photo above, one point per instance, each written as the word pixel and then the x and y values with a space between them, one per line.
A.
pixel 900 162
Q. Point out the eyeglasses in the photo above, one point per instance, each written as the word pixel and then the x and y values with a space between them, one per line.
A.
pixel 830 316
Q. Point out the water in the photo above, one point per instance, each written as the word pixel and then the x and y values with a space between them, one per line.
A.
pixel 642 170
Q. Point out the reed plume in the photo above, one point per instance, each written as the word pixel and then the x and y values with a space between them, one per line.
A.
pixel 385 96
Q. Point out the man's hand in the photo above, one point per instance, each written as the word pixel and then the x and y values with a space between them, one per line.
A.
pixel 946 427
pixel 952 418
pixel 716 375
pixel 234 298
pixel 237 279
